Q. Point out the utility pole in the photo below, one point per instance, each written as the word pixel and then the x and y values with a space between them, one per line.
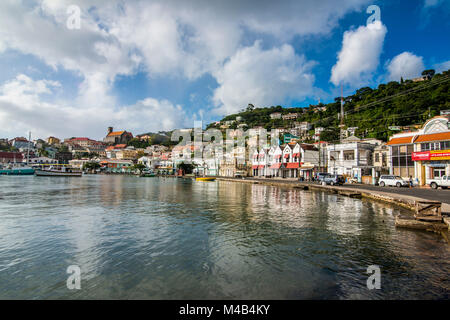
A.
pixel 341 126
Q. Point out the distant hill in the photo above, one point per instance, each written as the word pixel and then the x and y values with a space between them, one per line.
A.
pixel 371 110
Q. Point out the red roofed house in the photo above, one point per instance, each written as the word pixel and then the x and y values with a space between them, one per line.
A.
pixel 117 137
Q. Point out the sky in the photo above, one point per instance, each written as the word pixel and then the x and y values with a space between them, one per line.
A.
pixel 75 67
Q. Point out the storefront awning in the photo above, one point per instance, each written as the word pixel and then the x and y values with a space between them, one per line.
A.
pixel 292 165
pixel 254 167
pixel 275 166
pixel 286 155
pixel 261 166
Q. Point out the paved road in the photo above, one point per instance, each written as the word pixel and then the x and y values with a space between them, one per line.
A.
pixel 425 193
pixel 442 195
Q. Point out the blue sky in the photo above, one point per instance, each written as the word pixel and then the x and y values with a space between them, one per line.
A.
pixel 152 65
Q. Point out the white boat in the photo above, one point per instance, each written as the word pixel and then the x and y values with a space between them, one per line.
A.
pixel 60 172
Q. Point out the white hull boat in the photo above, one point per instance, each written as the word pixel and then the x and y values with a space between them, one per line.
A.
pixel 57 173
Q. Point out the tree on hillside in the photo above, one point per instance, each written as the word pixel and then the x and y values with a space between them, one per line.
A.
pixel 429 73
pixel 330 135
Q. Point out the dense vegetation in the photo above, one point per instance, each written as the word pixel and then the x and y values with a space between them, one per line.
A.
pixel 401 103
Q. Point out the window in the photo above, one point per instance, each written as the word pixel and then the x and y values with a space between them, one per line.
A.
pixel 349 155
pixel 377 157
pixel 395 151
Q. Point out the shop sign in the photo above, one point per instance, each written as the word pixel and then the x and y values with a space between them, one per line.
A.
pixel 431 155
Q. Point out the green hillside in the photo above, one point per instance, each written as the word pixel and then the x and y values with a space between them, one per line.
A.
pixel 371 110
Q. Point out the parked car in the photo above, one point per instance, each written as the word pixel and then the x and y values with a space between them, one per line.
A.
pixel 321 175
pixel 443 182
pixel 333 179
pixel 393 181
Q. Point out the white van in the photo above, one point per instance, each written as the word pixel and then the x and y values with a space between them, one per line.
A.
pixel 393 181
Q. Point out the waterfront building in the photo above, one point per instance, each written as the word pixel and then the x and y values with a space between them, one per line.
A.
pixel 117 137
pixel 309 160
pixel 117 166
pixel 166 164
pixel 275 154
pixel 422 154
pixel 351 158
pixel 42 160
pixel 260 162
pixel 11 157
pixel 290 160
pixel 381 159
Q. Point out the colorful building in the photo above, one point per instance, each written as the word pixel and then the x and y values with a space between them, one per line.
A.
pixel 422 154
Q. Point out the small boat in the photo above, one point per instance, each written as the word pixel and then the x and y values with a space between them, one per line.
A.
pixel 147 175
pixel 205 179
pixel 16 170
pixel 60 172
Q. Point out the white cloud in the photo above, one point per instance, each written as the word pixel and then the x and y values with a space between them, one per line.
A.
pixel 406 65
pixel 23 108
pixel 442 66
pixel 360 55
pixel 262 77
pixel 173 38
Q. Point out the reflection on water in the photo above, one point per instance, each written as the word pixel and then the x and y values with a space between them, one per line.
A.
pixel 169 238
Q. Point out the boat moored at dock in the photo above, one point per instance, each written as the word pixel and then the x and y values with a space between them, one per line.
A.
pixel 16 170
pixel 58 172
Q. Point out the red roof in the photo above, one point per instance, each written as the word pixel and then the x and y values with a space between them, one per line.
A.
pixel 433 137
pixel 402 140
pixel 80 139
pixel 116 133
pixel 120 146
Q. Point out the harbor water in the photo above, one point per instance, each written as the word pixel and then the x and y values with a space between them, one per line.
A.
pixel 167 238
